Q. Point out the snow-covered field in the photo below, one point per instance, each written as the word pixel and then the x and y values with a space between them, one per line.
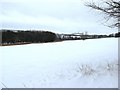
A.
pixel 68 64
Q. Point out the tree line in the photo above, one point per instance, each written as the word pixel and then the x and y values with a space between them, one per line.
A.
pixel 10 36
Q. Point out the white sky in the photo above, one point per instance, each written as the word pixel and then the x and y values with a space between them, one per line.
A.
pixel 63 16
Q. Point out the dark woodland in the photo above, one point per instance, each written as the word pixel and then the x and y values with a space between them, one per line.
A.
pixel 9 36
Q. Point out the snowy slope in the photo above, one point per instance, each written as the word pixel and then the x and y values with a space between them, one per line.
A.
pixel 73 64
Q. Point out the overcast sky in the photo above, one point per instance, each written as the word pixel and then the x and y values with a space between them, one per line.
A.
pixel 62 16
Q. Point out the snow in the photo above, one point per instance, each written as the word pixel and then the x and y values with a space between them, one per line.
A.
pixel 68 64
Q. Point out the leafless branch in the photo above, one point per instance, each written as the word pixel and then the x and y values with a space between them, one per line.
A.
pixel 111 10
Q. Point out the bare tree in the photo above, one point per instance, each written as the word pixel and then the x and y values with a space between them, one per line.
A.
pixel 111 8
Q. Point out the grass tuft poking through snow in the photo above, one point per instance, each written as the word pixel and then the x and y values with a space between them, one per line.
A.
pixel 88 70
